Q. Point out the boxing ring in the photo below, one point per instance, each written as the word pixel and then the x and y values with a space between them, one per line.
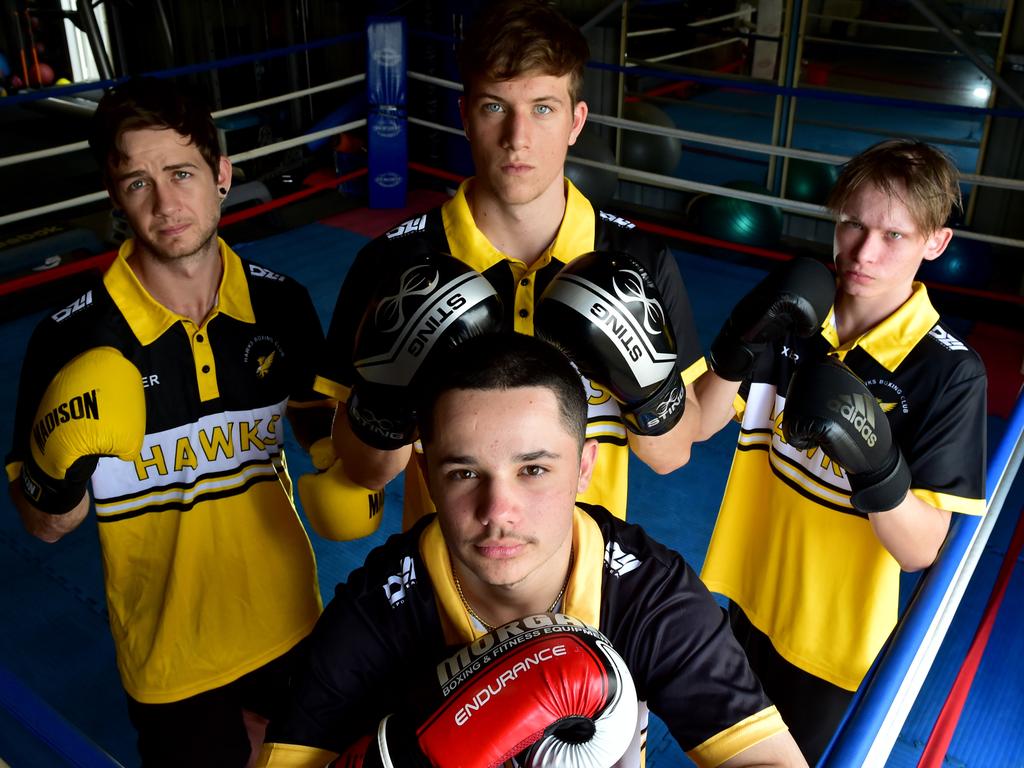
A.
pixel 376 101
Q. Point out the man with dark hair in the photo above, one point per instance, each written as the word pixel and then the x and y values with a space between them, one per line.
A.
pixel 167 385
pixel 856 445
pixel 503 425
pixel 518 222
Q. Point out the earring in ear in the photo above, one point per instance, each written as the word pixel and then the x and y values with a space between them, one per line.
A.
pixel 223 191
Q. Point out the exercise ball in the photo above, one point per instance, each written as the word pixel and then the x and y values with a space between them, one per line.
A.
pixel 735 220
pixel 597 184
pixel 647 151
pixel 43 77
pixel 967 263
pixel 810 182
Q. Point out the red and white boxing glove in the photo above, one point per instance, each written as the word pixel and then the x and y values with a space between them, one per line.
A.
pixel 546 688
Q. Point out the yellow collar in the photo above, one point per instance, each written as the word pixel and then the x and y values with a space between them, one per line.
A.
pixel 891 340
pixel 149 319
pixel 582 598
pixel 575 235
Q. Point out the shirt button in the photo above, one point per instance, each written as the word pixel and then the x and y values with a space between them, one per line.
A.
pixel 525 281
pixel 524 313
pixel 199 338
pixel 206 369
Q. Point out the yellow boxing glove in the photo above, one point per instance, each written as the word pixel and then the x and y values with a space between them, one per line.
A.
pixel 95 406
pixel 337 508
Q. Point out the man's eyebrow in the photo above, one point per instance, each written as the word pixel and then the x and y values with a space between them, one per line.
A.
pixel 453 459
pixel 139 172
pixel 534 455
pixel 484 95
pixel 518 458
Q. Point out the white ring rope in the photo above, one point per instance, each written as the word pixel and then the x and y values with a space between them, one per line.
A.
pixel 66 148
pixel 893 25
pixel 687 52
pixel 269 149
pixel 628 174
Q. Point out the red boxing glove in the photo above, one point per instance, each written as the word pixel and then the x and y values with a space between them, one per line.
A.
pixel 547 688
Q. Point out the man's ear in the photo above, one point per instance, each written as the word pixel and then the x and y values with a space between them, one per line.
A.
pixel 579 119
pixel 462 116
pixel 936 243
pixel 224 173
pixel 587 460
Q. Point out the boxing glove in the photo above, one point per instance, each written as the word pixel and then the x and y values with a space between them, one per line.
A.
pixel 793 297
pixel 425 303
pixel 604 311
pixel 546 688
pixel 827 405
pixel 94 406
pixel 337 508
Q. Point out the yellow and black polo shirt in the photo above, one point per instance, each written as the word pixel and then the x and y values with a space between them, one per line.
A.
pixel 788 547
pixel 451 229
pixel 209 572
pixel 398 616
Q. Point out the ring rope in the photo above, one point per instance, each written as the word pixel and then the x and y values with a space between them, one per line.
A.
pixel 718 141
pixel 269 149
pixel 894 25
pixel 75 146
pixel 188 69
pixel 687 52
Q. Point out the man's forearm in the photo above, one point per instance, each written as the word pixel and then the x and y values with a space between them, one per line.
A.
pixel 716 397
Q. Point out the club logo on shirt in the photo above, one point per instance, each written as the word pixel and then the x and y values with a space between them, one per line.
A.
pixel 264 365
pixel 260 355
pixel 898 401
pixel 617 561
pixel 395 587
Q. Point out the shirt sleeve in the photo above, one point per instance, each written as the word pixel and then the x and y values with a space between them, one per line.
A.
pixel 680 313
pixel 308 341
pixel 688 665
pixel 946 454
pixel 336 374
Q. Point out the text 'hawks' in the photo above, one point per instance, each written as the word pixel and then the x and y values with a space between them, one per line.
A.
pixel 83 406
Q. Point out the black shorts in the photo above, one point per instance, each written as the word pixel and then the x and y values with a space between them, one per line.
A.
pixel 207 729
pixel 810 706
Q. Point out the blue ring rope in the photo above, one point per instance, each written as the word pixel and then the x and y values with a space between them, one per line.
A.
pixel 231 61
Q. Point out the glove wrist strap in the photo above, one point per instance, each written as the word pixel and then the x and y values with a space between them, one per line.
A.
pixel 661 411
pixel 881 491
pixel 730 357
pixel 53 496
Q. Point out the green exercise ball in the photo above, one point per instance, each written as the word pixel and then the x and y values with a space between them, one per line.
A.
pixel 646 151
pixel 810 182
pixel 735 220
pixel 597 184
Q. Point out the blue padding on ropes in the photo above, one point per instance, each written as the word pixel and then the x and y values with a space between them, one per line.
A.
pixel 387 127
pixel 231 61
pixel 852 742
pixel 47 725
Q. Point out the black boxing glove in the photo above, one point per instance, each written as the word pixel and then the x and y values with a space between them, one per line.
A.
pixel 546 688
pixel 604 311
pixel 795 296
pixel 426 303
pixel 827 405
